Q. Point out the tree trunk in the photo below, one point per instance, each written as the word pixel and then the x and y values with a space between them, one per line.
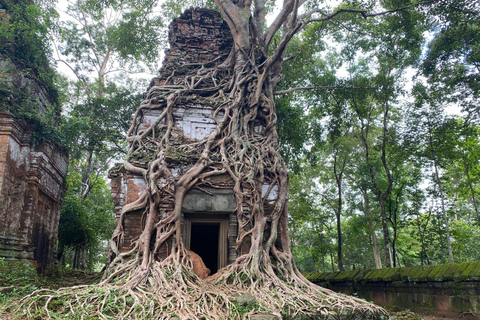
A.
pixel 394 225
pixel 385 195
pixel 381 194
pixel 376 250
pixel 442 201
pixel 470 185
pixel 76 258
pixel 371 226
pixel 61 255
pixel 338 213
pixel 444 214
pixel 386 232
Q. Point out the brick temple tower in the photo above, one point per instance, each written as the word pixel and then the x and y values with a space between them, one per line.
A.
pixel 209 222
pixel 32 173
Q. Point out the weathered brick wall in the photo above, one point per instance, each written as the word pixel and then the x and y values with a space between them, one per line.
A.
pixel 32 174
pixel 31 192
pixel 197 36
pixel 445 288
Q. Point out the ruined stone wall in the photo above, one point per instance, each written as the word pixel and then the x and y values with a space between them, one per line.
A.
pixel 32 173
pixel 442 289
pixel 197 36
pixel 32 187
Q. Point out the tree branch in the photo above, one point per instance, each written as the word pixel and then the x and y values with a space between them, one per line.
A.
pixel 360 11
pixel 281 92
pixel 279 20
pixel 259 13
pixel 237 21
pixel 79 77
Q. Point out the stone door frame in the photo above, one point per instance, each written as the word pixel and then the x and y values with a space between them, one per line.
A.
pixel 219 219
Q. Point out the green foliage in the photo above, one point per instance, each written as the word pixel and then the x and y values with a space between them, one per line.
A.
pixel 241 309
pixel 86 224
pixel 360 82
pixel 453 56
pixel 405 315
pixel 20 275
pixel 23 38
pixel 24 54
pixel 107 35
pixel 99 124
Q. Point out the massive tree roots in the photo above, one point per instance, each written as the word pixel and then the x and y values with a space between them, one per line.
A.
pixel 154 278
pixel 176 293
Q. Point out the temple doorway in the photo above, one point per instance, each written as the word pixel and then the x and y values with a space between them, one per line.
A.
pixel 207 237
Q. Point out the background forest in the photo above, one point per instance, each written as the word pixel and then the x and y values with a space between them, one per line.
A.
pixel 378 121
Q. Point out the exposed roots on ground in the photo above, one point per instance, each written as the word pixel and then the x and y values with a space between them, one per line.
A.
pixel 153 279
pixel 166 292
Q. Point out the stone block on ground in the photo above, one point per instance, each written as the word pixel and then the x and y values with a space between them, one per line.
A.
pixel 245 299
pixel 263 316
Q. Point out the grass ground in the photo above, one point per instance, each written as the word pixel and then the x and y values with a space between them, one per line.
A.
pixel 18 281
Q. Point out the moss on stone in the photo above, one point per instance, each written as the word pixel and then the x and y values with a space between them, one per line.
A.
pixel 312 276
pixel 468 271
pixel 437 273
pixel 407 274
pixel 346 275
pixel 392 274
pixel 16 272
pixel 316 276
pixel 416 272
pixel 474 274
pixel 454 271
pixel 366 275
pixel 361 274
pixel 376 275
pixel 331 276
pixel 422 276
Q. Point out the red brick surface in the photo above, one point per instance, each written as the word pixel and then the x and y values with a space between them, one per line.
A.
pixel 31 193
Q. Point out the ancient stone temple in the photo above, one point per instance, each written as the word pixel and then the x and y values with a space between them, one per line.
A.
pixel 209 223
pixel 32 173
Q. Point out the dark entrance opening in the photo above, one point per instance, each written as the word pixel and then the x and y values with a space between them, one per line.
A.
pixel 204 242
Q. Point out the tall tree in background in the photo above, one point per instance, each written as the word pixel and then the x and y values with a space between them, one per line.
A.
pixel 450 83
pixel 434 149
pixel 101 43
pixel 452 63
pixel 85 224
pixel 108 39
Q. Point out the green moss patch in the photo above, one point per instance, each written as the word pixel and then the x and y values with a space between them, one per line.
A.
pixel 437 273
pixel 376 275
pixel 468 271
pixel 392 274
pixel 331 276
pixel 346 275
pixel 16 273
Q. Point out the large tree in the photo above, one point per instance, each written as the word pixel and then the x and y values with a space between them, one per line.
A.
pixel 241 88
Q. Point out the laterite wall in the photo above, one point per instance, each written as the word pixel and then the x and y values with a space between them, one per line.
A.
pixel 444 288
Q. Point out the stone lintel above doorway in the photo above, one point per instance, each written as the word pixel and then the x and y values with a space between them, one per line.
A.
pixel 215 201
